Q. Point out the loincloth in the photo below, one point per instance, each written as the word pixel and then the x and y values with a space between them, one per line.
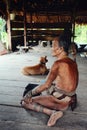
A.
pixel 60 94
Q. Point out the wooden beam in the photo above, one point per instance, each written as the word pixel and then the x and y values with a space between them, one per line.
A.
pixel 16 24
pixel 50 25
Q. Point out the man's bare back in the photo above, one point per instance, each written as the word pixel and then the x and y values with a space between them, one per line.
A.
pixel 67 74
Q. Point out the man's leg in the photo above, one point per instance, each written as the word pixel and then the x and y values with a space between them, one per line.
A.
pixel 52 102
pixel 54 115
pixel 48 105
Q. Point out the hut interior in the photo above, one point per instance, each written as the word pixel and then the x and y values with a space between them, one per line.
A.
pixel 30 21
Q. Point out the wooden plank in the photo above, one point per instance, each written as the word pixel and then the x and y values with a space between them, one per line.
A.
pixel 16 24
pixel 50 25
pixel 12 83
pixel 20 115
pixel 14 118
pixel 37 34
pixel 44 32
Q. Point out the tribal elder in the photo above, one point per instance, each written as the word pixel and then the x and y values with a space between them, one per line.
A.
pixel 60 84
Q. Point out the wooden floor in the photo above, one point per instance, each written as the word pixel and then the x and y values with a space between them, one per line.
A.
pixel 13 82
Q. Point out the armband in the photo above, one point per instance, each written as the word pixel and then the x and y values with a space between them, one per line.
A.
pixel 34 92
pixel 29 94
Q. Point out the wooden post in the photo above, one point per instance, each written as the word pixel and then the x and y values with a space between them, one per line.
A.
pixel 73 24
pixel 8 27
pixel 25 29
pixel 31 26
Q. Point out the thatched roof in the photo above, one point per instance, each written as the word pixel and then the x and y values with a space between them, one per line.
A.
pixel 61 9
pixel 26 19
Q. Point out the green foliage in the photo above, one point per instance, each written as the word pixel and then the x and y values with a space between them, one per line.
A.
pixel 3 33
pixel 81 34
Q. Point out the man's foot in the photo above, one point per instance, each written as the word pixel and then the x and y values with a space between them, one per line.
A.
pixel 54 117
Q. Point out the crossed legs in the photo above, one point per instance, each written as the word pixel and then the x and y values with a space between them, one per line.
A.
pixel 48 105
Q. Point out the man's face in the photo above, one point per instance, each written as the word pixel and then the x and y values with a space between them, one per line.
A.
pixel 55 48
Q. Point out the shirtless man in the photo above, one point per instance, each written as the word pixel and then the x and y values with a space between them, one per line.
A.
pixel 63 77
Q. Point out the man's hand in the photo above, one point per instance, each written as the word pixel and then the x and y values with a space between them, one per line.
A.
pixel 27 97
pixel 27 100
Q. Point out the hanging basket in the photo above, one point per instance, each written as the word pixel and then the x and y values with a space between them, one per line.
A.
pixel 12 16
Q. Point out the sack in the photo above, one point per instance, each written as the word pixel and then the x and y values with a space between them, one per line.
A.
pixel 73 102
pixel 28 88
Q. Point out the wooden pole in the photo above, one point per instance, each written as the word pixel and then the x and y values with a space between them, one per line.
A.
pixel 31 26
pixel 8 26
pixel 73 23
pixel 25 28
